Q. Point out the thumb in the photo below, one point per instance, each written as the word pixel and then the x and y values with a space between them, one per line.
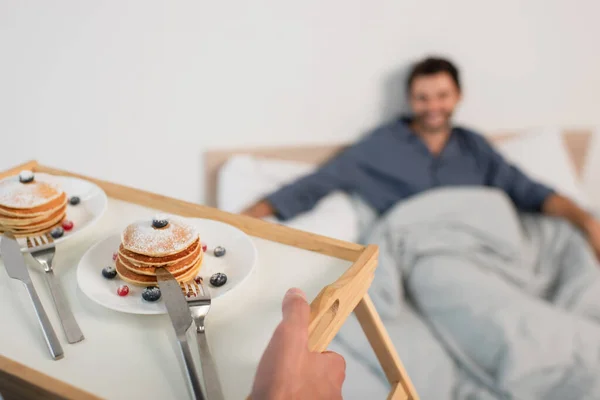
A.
pixel 295 309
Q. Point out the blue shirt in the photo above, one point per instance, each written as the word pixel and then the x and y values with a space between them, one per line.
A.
pixel 392 163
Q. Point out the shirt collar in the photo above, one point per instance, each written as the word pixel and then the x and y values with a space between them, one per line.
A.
pixel 452 147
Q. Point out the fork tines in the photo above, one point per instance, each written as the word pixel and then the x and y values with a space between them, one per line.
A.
pixel 190 288
pixel 35 241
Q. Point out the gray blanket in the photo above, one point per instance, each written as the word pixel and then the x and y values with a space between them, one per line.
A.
pixel 514 299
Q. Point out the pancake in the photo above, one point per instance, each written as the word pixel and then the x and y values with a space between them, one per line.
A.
pixel 15 195
pixel 30 206
pixel 145 280
pixel 35 221
pixel 24 221
pixel 139 259
pixel 187 259
pixel 142 238
pixel 179 266
pixel 53 204
pixel 21 234
pixel 40 225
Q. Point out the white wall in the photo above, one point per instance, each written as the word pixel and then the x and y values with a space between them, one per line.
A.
pixel 135 91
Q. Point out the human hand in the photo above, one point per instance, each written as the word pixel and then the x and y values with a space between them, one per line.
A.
pixel 592 229
pixel 287 370
pixel 261 209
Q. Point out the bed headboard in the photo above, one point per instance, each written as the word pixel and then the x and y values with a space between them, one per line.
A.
pixel 576 141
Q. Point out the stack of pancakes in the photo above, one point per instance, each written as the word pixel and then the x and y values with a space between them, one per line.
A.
pixel 30 206
pixel 145 246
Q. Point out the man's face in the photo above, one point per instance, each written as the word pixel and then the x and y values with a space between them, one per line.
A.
pixel 433 99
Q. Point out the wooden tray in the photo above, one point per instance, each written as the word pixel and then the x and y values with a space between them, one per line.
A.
pixel 329 309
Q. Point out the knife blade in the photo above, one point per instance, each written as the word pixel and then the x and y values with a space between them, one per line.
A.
pixel 13 260
pixel 181 319
pixel 177 307
pixel 16 269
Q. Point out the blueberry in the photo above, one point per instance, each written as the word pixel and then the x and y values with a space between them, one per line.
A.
pixel 109 272
pixel 159 223
pixel 218 279
pixel 74 200
pixel 151 293
pixel 219 251
pixel 57 232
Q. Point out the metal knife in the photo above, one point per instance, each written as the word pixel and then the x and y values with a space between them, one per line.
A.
pixel 16 269
pixel 181 318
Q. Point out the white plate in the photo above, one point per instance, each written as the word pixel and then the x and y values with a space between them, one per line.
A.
pixel 83 215
pixel 237 264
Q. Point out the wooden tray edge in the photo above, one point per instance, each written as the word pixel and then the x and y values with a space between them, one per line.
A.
pixel 18 381
pixel 252 226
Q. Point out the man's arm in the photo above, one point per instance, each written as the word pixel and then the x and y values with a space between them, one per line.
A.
pixel 526 194
pixel 303 194
pixel 529 195
pixel 560 206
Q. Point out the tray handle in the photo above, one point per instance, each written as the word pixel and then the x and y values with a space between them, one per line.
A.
pixel 332 306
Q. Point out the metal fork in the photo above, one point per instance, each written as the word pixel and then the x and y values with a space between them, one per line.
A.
pixel 198 299
pixel 42 250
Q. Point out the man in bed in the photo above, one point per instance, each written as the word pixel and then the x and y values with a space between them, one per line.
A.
pixel 421 152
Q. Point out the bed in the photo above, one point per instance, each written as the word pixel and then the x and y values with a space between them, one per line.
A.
pixel 437 371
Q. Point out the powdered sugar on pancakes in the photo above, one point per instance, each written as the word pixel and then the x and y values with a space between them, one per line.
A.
pixel 142 238
pixel 14 194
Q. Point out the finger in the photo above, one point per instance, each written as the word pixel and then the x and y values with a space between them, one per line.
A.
pixel 335 365
pixel 295 308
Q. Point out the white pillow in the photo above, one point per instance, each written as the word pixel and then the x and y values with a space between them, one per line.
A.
pixel 244 180
pixel 542 155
